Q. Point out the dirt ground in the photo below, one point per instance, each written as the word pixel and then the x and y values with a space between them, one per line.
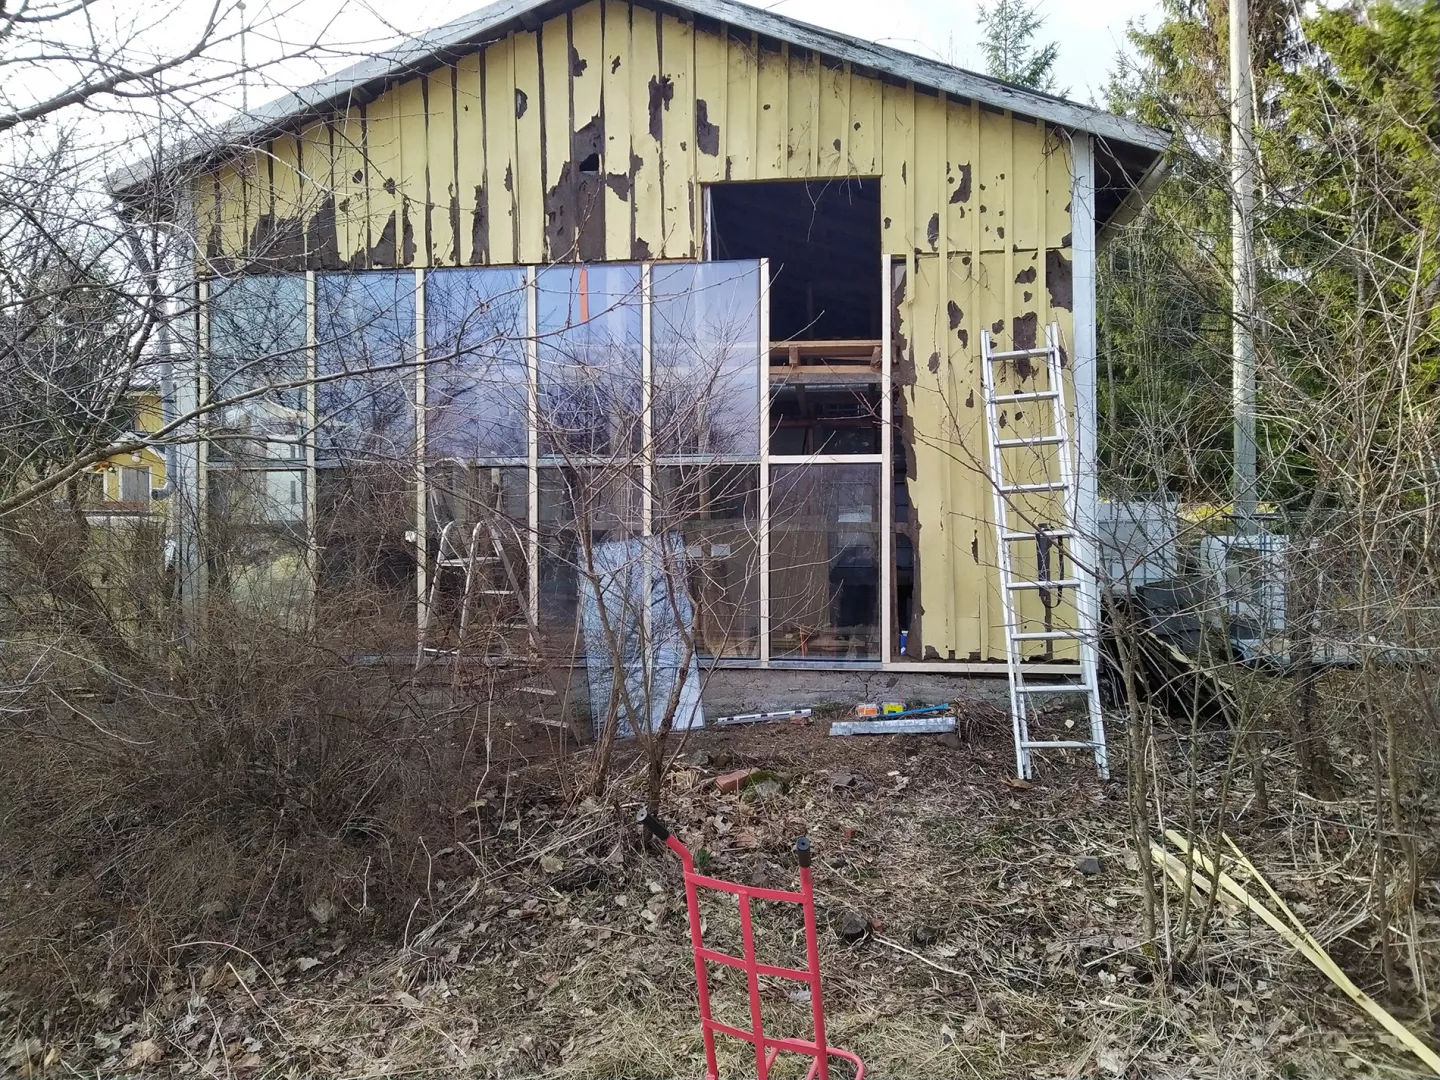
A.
pixel 555 944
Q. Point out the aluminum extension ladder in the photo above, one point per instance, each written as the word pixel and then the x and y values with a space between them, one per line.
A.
pixel 1062 537
pixel 487 571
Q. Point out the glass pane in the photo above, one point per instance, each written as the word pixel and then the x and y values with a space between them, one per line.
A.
pixel 579 510
pixel 825 561
pixel 716 511
pixel 257 340
pixel 257 557
pixel 589 360
pixel 365 334
pixel 475 392
pixel 705 329
pixel 825 418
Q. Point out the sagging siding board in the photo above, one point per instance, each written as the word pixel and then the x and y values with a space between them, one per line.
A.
pixel 591 138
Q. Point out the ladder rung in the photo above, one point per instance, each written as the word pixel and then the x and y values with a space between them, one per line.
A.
pixel 1055 534
pixel 1054 688
pixel 1020 489
pixel 1049 635
pixel 1038 440
pixel 1016 354
pixel 1058 744
pixel 497 592
pixel 1063 583
pixel 1034 395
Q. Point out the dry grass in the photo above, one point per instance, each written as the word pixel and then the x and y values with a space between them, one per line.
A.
pixel 556 945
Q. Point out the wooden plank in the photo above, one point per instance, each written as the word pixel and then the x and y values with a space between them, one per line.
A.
pixel 832 125
pixel 711 122
pixel 864 145
pixel 926 171
pixel 287 243
pixel 801 103
pixel 1025 187
pixel 962 138
pixel 619 180
pixel 742 104
pixel 587 91
pixel 498 72
pixel 992 179
pixel 906 725
pixel 894 229
pixel 471 206
pixel 529 124
pixel 348 156
pixel 231 195
pixel 413 242
pixel 557 131
pixel 646 133
pixel 317 192
pixel 772 91
pixel 442 169
pixel 680 194
pixel 383 152
pixel 1059 181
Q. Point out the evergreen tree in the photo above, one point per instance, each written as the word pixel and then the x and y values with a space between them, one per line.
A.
pixel 1009 27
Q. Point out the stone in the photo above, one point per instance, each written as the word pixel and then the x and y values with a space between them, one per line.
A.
pixel 732 782
pixel 841 780
pixel 922 934
pixel 702 759
pixel 851 926
pixel 951 741
pixel 768 789
pixel 1088 865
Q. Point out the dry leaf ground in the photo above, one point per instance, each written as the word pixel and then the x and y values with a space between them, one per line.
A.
pixel 552 943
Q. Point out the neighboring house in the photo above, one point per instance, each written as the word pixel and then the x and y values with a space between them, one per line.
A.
pixel 683 266
pixel 124 486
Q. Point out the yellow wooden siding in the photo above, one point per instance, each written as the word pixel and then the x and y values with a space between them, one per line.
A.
pixel 590 138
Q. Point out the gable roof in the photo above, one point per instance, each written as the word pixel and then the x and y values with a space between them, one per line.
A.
pixel 1131 153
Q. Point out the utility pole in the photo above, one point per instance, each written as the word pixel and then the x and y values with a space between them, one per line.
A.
pixel 1242 264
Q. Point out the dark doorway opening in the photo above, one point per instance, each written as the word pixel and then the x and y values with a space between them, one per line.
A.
pixel 822 238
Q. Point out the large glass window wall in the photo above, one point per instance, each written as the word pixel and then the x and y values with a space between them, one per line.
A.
pixel 567 412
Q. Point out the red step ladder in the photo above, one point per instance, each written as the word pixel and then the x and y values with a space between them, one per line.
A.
pixel 766 1048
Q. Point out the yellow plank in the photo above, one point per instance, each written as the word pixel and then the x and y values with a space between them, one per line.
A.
pixel 316 192
pixel 962 136
pixel 646 132
pixel 1025 187
pixel 386 175
pixel 711 122
pixel 443 211
pixel 832 130
pixel 559 158
pixel 801 111
pixel 587 78
pixel 207 220
pixel 927 170
pixel 618 173
pixel 472 203
pixel 529 178
pixel 1059 178
pixel 498 72
pixel 288 231
pixel 992 178
pixel 413 239
pixel 773 88
pixel 866 113
pixel 681 196
pixel 348 142
pixel 742 104
pixel 230 198
pixel 895 176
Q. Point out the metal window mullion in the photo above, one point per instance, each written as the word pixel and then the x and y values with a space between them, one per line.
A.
pixel 312 547
pixel 532 445
pixel 202 457
pixel 827 459
pixel 887 471
pixel 422 546
pixel 764 409
pixel 647 478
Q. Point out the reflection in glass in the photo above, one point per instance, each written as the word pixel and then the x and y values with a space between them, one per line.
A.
pixel 822 418
pixel 257 341
pixel 255 542
pixel 588 351
pixel 825 561
pixel 579 510
pixel 705 326
pixel 716 511
pixel 365 340
pixel 475 377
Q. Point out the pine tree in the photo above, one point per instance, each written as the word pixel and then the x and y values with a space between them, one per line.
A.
pixel 1009 27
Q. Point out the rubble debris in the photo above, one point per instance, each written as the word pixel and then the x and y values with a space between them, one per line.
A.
pixel 1088 865
pixel 851 926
